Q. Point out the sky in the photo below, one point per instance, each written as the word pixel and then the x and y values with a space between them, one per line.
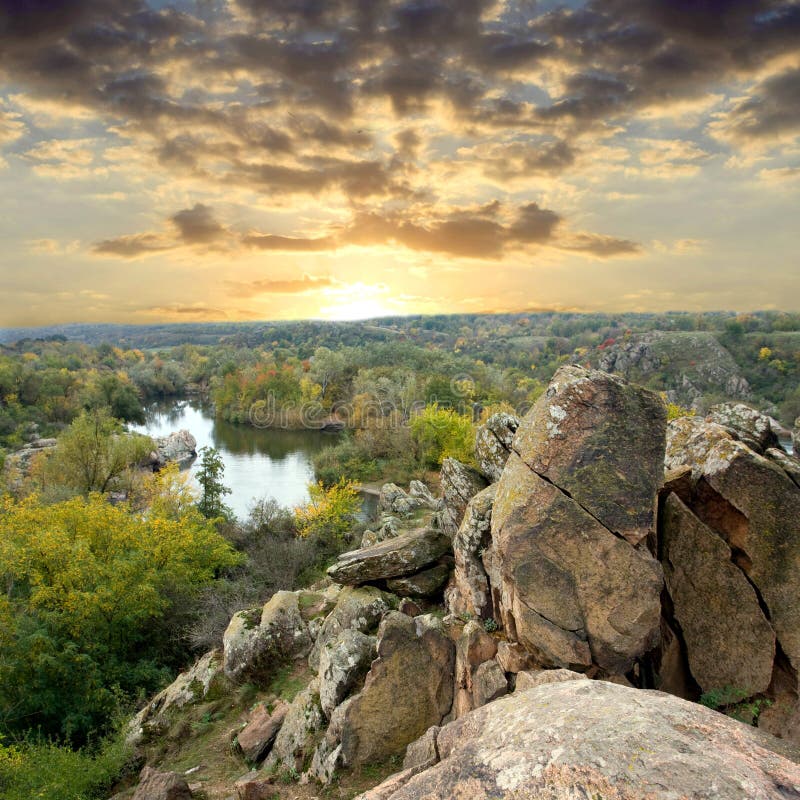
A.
pixel 191 160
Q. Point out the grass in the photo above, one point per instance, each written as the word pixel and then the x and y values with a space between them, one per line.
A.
pixel 290 680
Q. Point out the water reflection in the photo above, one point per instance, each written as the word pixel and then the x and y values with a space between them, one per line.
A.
pixel 258 462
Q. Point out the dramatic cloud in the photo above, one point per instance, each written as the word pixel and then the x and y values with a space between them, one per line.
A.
pixel 296 137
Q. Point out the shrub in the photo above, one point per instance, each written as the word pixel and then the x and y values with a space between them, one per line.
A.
pixel 329 514
pixel 442 432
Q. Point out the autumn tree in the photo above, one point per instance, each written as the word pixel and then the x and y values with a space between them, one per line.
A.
pixel 212 489
pixel 88 590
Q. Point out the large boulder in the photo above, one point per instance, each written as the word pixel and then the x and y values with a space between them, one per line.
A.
pixel 360 609
pixel 600 440
pixel 592 739
pixel 469 591
pixel 571 591
pixel 493 444
pixel 729 642
pixel 459 484
pixel 747 424
pixel 179 446
pixel 402 555
pixel 257 641
pixel 408 689
pixel 343 664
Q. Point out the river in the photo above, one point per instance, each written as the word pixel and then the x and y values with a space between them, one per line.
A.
pixel 259 462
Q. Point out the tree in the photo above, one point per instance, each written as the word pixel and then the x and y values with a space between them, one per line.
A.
pixel 442 432
pixel 88 588
pixel 212 489
pixel 94 453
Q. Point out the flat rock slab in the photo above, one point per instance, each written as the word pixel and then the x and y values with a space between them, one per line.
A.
pixel 591 739
pixel 403 555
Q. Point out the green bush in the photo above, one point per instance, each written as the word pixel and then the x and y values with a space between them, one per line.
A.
pixel 36 769
pixel 442 432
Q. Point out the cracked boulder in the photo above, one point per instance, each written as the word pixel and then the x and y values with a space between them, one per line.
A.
pixel 575 499
pixel 571 592
pixel 728 640
pixel 469 591
pixel 592 739
pixel 600 440
pixel 493 444
pixel 408 689
pixel 746 507
pixel 754 506
pixel 343 664
pixel 460 484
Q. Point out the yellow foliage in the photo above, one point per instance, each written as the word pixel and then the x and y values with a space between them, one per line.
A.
pixel 764 354
pixel 329 512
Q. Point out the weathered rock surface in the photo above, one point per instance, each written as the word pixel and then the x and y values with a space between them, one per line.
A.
pixel 402 555
pixel 359 609
pixel 493 444
pixel 421 584
pixel 513 657
pixel 728 640
pixel 155 785
pixel 459 484
pixel 180 447
pixel 469 592
pixel 572 592
pixel 408 689
pixel 294 740
pixel 257 736
pixel 255 643
pixel 343 664
pixel 600 440
pixel 254 786
pixel 796 437
pixel 592 739
pixel 746 424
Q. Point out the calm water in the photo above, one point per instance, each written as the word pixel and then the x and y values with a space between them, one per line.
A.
pixel 258 462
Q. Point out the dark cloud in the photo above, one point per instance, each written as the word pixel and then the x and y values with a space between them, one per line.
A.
pixel 772 110
pixel 601 246
pixel 197 225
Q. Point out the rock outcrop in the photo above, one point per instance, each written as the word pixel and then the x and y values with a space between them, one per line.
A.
pixel 294 742
pixel 741 591
pixel 592 739
pixel 256 738
pixel 402 555
pixel 570 575
pixel 493 444
pixel 343 664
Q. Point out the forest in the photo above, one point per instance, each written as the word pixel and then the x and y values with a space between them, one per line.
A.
pixel 114 577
